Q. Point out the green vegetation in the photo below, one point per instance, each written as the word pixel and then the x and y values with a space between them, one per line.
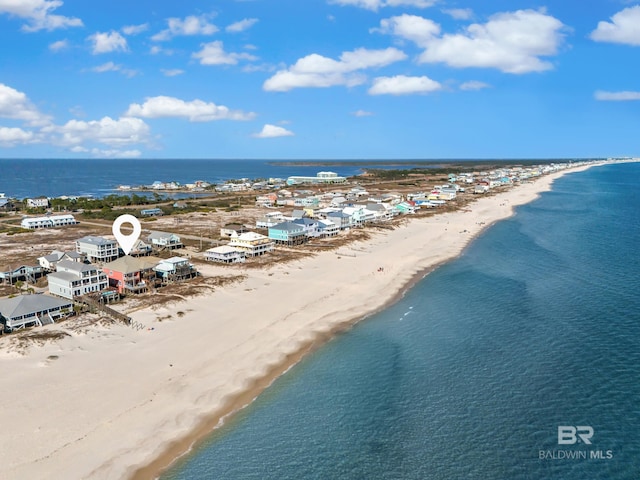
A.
pixel 109 201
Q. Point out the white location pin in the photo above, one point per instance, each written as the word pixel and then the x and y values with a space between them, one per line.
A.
pixel 127 242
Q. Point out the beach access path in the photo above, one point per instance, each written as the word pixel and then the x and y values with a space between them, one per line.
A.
pixel 116 402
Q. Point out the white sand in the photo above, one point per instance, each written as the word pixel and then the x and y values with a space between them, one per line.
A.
pixel 115 398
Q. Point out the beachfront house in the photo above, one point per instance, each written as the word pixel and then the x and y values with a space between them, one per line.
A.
pixel 407 206
pixel 140 248
pixel 252 243
pixel 311 226
pixel 164 240
pixel 341 219
pixel 48 221
pixel 357 215
pixel 175 269
pixel 73 279
pixel 130 274
pixel 49 262
pixel 32 310
pixel 327 228
pixel 288 233
pixel 225 254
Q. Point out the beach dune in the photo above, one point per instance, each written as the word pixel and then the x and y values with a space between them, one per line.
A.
pixel 118 402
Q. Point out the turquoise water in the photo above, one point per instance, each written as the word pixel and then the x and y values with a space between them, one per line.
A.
pixel 535 326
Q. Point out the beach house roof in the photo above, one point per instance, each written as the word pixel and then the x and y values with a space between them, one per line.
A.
pixel 287 227
pixel 75 266
pixel 23 305
pixel 94 240
pixel 128 264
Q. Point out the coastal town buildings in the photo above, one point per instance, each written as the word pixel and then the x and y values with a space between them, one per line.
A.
pixel 252 243
pixel 225 254
pixel 39 202
pixel 49 262
pixel 49 221
pixel 164 240
pixel 32 310
pixel 320 178
pixel 175 269
pixel 73 279
pixel 130 274
pixel 270 219
pixel 288 233
pixel 230 228
pixel 10 274
pixel 98 249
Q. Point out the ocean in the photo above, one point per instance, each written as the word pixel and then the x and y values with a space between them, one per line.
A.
pixel 518 360
pixel 22 178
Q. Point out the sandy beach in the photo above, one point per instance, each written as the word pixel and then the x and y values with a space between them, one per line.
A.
pixel 116 402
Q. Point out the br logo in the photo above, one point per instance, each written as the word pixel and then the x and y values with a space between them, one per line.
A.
pixel 569 435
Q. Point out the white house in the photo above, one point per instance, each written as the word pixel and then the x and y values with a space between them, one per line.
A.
pixel 98 249
pixel 49 221
pixel 225 254
pixel 48 262
pixel 270 219
pixel 165 240
pixel 40 202
pixel 252 243
pixel 72 279
pixel 327 228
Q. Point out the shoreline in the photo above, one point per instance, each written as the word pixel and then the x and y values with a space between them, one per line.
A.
pixel 124 403
pixel 184 446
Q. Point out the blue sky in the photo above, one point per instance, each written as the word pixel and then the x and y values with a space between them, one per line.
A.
pixel 318 79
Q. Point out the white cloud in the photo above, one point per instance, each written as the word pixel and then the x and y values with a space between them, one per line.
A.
pixel 617 96
pixel 459 13
pixel 195 110
pixel 474 85
pixel 108 131
pixel 242 25
pixel 273 131
pixel 15 105
pixel 156 50
pixel 191 25
pixel 403 85
pixel 112 67
pixel 59 45
pixel 213 53
pixel 106 67
pixel 623 28
pixel 105 42
pixel 512 42
pixel 38 14
pixel 173 72
pixel 317 71
pixel 10 137
pixel 361 113
pixel 135 29
pixel 376 4
pixel 417 29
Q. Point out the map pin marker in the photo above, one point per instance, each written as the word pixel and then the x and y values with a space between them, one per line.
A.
pixel 127 242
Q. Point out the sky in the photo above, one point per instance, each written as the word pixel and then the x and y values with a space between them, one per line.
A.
pixel 319 79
